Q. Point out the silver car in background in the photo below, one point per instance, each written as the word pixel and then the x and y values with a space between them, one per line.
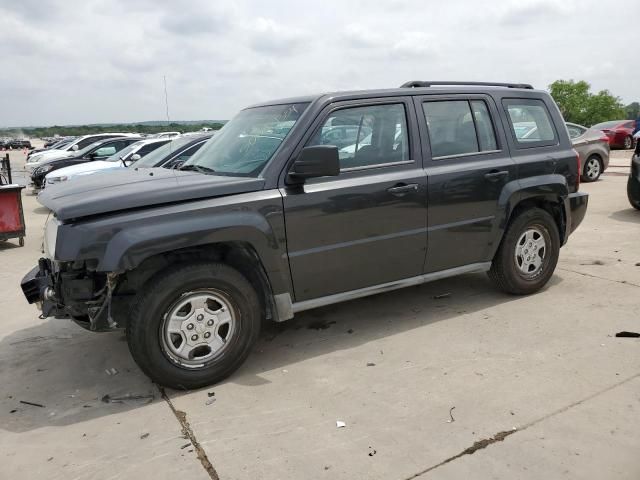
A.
pixel 593 147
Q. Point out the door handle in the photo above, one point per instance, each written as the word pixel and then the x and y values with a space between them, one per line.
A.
pixel 402 189
pixel 495 175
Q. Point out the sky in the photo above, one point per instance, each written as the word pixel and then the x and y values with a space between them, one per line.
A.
pixel 97 61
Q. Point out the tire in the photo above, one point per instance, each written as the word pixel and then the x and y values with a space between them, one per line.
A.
pixel 628 143
pixel 592 169
pixel 156 351
pixel 506 271
pixel 633 192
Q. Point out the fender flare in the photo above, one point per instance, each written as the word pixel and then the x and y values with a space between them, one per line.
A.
pixel 129 247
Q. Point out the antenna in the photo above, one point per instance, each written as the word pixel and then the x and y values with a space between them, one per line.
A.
pixel 166 99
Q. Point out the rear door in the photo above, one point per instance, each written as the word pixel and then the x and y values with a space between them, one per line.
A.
pixel 468 165
pixel 367 226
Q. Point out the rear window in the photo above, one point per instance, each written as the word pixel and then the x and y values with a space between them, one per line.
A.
pixel 531 122
pixel 610 124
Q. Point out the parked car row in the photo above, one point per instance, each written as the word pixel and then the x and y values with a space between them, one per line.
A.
pixel 118 153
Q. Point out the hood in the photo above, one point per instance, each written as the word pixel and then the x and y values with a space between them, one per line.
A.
pixel 83 168
pixel 49 155
pixel 125 189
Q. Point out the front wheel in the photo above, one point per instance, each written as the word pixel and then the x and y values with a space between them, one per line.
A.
pixel 628 142
pixel 633 192
pixel 194 325
pixel 528 253
pixel 592 169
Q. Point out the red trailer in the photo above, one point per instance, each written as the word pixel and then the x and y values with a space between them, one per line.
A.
pixel 11 214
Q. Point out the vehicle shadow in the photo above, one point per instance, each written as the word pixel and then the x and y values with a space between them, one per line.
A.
pixel 626 215
pixel 63 369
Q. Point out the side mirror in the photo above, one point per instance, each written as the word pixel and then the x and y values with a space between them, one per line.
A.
pixel 74 148
pixel 315 161
pixel 135 157
pixel 92 156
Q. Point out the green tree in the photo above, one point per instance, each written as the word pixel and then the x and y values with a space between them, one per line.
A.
pixel 579 105
pixel 633 110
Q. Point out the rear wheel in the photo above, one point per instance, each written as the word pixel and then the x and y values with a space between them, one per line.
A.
pixel 592 169
pixel 628 142
pixel 633 192
pixel 194 325
pixel 528 253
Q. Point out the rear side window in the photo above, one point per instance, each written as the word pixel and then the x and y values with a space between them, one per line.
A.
pixel 575 131
pixel 459 127
pixel 531 123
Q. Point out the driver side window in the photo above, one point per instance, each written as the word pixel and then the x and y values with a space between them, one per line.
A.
pixel 366 136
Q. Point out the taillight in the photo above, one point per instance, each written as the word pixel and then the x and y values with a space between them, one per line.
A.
pixel 579 163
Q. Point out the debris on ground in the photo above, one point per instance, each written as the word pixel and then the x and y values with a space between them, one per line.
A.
pixel 595 262
pixel 372 451
pixel 451 415
pixel 32 404
pixel 211 394
pixel 442 295
pixel 371 364
pixel 320 325
pixel 210 400
pixel 185 446
pixel 143 436
pixel 111 371
pixel 638 264
pixel 628 335
pixel 14 410
pixel 49 459
pixel 340 424
pixel 350 331
pixel 129 396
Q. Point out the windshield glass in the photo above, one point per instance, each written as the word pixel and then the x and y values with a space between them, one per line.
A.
pixel 61 144
pixel 118 156
pixel 245 144
pixel 87 149
pixel 611 124
pixel 160 153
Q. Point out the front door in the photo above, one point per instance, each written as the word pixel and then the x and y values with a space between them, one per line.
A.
pixel 468 164
pixel 366 226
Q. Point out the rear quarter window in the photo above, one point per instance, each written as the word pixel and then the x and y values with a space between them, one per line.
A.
pixel 531 123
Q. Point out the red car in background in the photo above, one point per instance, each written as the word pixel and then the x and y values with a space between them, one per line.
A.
pixel 619 132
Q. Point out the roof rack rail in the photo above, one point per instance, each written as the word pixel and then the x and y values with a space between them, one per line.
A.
pixel 419 84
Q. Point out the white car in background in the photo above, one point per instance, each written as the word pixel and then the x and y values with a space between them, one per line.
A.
pixel 167 134
pixel 121 159
pixel 69 149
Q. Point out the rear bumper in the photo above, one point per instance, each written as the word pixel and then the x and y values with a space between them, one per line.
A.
pixel 575 208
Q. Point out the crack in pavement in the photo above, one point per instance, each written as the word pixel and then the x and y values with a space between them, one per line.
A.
pixel 623 282
pixel 188 433
pixel 500 436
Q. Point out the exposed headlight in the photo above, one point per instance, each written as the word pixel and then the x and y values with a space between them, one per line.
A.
pixel 50 237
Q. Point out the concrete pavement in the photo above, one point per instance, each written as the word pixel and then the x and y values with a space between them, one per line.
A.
pixel 392 367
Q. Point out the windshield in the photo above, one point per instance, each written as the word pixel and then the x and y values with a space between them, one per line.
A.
pixel 61 143
pixel 614 123
pixel 118 156
pixel 87 149
pixel 245 144
pixel 159 154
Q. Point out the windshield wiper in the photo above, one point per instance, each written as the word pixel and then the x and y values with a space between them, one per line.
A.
pixel 197 168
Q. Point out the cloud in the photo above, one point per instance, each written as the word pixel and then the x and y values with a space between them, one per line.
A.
pixel 524 13
pixel 268 36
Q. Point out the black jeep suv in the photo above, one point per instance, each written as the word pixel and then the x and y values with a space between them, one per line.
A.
pixel 270 218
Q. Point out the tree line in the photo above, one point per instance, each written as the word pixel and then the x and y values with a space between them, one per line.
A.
pixel 78 130
pixel 579 105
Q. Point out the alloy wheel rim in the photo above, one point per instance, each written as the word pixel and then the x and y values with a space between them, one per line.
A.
pixel 530 252
pixel 593 168
pixel 197 328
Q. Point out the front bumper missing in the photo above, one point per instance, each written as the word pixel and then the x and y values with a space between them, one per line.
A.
pixel 70 294
pixel 38 288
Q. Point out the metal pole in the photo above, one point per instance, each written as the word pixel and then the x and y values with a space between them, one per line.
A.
pixel 8 162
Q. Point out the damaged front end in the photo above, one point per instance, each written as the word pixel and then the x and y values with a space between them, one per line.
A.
pixel 64 290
